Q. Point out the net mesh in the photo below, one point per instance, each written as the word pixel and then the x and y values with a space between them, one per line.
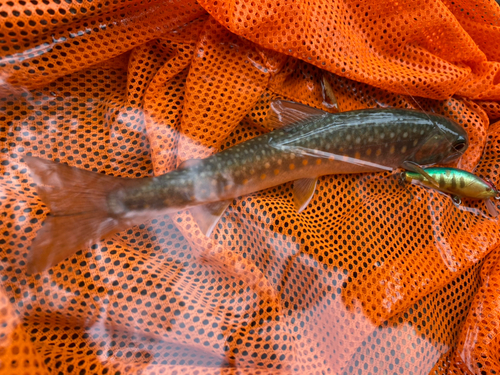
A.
pixel 370 278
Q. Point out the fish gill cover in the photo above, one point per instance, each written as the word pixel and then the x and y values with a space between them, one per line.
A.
pixel 363 280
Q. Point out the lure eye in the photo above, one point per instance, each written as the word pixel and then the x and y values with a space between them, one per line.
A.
pixel 459 146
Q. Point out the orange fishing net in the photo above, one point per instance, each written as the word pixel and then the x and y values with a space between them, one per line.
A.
pixel 365 280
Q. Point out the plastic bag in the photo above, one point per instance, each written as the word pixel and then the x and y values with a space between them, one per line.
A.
pixel 361 281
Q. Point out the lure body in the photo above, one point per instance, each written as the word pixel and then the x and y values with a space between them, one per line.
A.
pixel 455 182
pixel 458 183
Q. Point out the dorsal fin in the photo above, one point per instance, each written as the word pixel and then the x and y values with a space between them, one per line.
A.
pixel 330 95
pixel 285 112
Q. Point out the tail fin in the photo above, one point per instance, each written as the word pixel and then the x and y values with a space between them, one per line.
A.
pixel 79 214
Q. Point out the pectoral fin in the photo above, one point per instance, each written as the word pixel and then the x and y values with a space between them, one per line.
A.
pixel 414 167
pixel 207 215
pixel 303 191
pixel 284 112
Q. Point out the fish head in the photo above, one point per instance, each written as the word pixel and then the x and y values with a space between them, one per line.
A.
pixel 446 142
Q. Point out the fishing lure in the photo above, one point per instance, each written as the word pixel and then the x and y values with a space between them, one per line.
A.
pixel 456 182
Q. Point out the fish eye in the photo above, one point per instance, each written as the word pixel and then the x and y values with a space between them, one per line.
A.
pixel 459 146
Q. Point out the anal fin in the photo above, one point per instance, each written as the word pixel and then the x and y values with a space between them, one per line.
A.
pixel 207 215
pixel 303 191
pixel 189 163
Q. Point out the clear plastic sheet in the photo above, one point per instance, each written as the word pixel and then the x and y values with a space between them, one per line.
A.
pixel 370 277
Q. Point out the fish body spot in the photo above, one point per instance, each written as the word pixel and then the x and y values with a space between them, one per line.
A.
pixel 304 162
pixel 263 176
pixel 357 155
pixel 267 165
pixel 378 152
pixel 318 161
pixel 276 171
pixel 392 149
pixel 369 152
pixel 291 166
pixel 403 149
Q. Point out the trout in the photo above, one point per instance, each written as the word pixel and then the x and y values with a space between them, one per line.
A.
pixel 308 143
pixel 458 183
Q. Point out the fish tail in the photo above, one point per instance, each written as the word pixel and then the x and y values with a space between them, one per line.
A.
pixel 80 213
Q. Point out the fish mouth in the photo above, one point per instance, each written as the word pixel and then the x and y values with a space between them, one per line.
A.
pixel 452 157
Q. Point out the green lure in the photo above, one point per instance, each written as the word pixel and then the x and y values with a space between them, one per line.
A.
pixel 456 182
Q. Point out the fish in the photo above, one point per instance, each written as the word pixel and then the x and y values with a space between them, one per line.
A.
pixel 456 182
pixel 307 143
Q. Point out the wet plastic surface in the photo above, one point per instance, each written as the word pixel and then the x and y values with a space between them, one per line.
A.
pixel 363 280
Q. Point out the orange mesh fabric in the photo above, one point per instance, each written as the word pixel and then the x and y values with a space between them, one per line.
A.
pixel 491 108
pixel 477 350
pixel 17 353
pixel 80 34
pixel 405 46
pixel 370 278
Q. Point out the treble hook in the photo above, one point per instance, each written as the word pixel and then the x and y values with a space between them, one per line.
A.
pixel 402 183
